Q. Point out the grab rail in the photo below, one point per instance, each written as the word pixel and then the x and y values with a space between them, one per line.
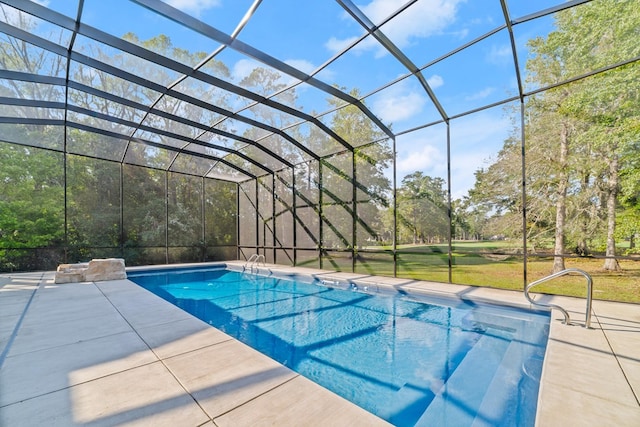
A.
pixel 567 320
pixel 254 260
pixel 258 258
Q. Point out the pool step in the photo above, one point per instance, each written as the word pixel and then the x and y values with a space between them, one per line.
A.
pixel 407 405
pixel 504 395
pixel 456 402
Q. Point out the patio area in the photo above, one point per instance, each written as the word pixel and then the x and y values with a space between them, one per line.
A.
pixel 111 353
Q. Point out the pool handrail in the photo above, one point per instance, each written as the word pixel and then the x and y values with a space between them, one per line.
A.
pixel 258 258
pixel 567 320
pixel 254 260
pixel 251 259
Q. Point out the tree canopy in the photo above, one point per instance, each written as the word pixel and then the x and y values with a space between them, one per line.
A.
pixel 581 138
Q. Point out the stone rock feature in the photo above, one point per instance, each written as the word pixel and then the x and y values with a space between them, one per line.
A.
pixel 93 271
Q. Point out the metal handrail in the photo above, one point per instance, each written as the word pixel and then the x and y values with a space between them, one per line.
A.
pixel 254 260
pixel 251 259
pixel 258 258
pixel 567 320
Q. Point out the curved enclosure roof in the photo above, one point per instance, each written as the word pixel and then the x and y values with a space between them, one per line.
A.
pixel 238 89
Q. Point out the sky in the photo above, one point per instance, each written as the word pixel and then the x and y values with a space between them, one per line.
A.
pixel 308 34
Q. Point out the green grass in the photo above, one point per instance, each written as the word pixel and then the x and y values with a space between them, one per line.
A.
pixel 496 264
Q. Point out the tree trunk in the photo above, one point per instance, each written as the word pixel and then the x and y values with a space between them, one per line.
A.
pixel 561 200
pixel 414 229
pixel 611 263
pixel 582 248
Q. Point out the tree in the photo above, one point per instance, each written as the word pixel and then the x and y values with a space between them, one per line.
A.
pixel 32 189
pixel 18 55
pixel 554 156
pixel 469 220
pixel 422 208
pixel 93 207
pixel 31 205
pixel 267 82
pixel 361 171
pixel 588 37
pixel 497 193
pixel 628 225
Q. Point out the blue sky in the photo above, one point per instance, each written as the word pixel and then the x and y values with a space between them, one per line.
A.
pixel 307 34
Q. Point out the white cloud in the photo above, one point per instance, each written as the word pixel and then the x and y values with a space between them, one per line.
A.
pixel 302 64
pixel 196 7
pixel 480 94
pixel 335 45
pixel 423 19
pixel 399 108
pixel 500 55
pixel 423 150
pixel 425 158
pixel 461 34
pixel 420 20
pixel 243 68
pixel 308 67
pixel 486 130
pixel 435 81
pixel 399 102
pixel 326 75
pixel 475 140
pixel 463 176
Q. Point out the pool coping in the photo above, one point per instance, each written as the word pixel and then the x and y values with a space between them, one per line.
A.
pixel 590 377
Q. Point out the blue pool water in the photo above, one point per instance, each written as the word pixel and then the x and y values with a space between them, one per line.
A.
pixel 412 360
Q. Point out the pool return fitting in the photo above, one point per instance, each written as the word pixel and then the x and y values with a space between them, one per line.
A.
pixel 567 320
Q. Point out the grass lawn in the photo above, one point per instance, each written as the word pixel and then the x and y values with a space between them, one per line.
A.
pixel 496 264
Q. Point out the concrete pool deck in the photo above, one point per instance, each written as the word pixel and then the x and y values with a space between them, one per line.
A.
pixel 111 353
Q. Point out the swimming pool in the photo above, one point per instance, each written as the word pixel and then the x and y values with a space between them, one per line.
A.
pixel 410 359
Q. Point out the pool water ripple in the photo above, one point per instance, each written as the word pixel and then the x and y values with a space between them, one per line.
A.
pixel 407 359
